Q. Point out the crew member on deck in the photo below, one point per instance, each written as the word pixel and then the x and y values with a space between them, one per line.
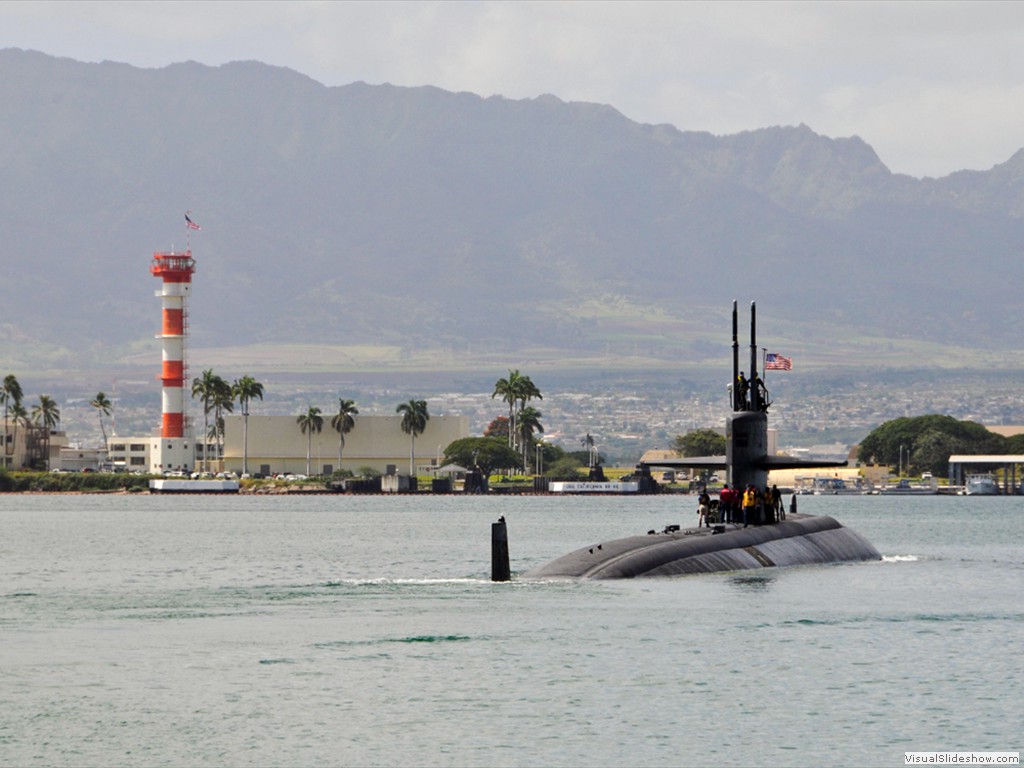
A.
pixel 725 504
pixel 703 509
pixel 777 502
pixel 768 506
pixel 749 505
pixel 742 387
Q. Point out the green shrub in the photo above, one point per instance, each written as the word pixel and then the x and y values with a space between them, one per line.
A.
pixel 47 482
pixel 567 468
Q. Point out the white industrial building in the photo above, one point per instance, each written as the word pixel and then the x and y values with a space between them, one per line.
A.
pixel 22 447
pixel 278 446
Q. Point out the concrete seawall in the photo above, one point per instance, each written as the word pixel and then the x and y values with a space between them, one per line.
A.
pixel 193 486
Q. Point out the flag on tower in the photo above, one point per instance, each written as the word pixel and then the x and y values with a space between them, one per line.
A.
pixel 191 224
pixel 774 362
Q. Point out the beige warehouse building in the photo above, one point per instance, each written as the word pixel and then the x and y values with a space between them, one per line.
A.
pixel 277 445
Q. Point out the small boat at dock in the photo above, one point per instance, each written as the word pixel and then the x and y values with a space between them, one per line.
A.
pixel 981 485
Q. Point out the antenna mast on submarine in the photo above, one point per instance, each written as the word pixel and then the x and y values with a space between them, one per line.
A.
pixel 755 394
pixel 737 401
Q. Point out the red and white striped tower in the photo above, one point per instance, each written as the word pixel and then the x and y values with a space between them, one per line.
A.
pixel 175 269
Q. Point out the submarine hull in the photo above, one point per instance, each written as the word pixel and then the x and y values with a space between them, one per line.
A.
pixel 798 540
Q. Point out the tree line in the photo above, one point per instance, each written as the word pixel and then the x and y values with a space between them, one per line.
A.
pixel 918 443
pixel 509 442
pixel 925 443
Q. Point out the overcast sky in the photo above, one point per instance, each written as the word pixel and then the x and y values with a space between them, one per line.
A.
pixel 934 87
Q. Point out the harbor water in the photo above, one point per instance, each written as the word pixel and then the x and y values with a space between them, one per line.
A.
pixel 344 630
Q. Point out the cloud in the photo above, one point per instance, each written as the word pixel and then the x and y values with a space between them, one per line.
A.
pixel 933 87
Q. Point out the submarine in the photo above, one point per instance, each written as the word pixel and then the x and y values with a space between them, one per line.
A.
pixel 766 542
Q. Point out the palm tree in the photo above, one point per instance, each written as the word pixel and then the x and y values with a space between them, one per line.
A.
pixel 203 388
pixel 517 388
pixel 525 391
pixel 244 390
pixel 210 389
pixel 47 416
pixel 10 394
pixel 102 405
pixel 342 422
pixel 588 443
pixel 528 423
pixel 46 413
pixel 509 391
pixel 211 436
pixel 414 422
pixel 223 402
pixel 309 422
pixel 18 414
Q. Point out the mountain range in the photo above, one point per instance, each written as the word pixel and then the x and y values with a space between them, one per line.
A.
pixel 443 227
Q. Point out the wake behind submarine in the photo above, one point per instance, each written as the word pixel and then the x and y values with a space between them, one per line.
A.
pixel 794 539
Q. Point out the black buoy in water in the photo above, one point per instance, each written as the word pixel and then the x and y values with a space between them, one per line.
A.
pixel 500 570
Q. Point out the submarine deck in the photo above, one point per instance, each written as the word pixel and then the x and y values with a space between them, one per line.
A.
pixel 797 540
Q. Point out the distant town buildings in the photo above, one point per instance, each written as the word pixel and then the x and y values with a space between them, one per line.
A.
pixel 625 418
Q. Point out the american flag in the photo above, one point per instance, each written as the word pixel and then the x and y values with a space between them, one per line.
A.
pixel 775 362
pixel 189 224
